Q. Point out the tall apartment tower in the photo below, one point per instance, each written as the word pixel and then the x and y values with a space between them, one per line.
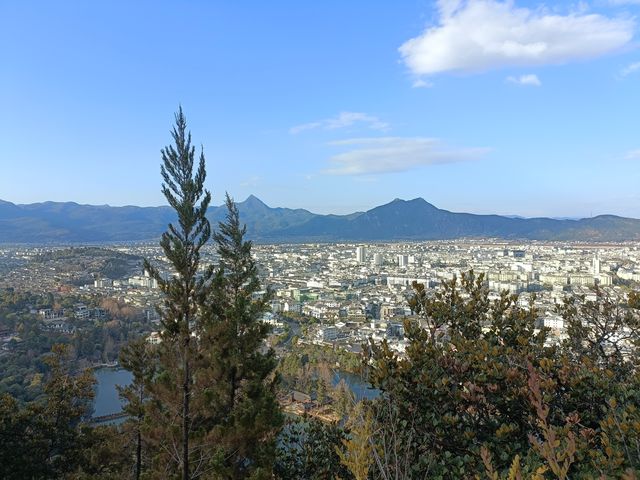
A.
pixel 596 265
pixel 403 260
pixel 378 259
pixel 361 254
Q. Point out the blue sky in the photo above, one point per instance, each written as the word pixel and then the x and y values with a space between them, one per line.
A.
pixel 523 108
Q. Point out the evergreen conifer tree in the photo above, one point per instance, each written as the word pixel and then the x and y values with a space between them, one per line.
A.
pixel 212 409
pixel 137 358
pixel 69 400
pixel 240 381
pixel 172 388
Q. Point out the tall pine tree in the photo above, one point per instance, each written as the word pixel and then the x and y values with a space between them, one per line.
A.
pixel 172 388
pixel 239 381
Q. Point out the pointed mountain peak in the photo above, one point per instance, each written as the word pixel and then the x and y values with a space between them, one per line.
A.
pixel 254 202
pixel 421 201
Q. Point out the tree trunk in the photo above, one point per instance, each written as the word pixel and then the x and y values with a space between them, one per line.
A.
pixel 139 438
pixel 139 456
pixel 185 413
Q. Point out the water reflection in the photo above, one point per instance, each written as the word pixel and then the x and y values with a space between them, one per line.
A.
pixel 107 401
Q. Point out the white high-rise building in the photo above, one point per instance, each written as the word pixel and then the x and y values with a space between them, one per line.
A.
pixel 378 259
pixel 403 260
pixel 361 254
pixel 596 265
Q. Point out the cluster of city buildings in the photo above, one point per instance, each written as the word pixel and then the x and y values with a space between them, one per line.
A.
pixel 62 319
pixel 361 291
pixel 353 292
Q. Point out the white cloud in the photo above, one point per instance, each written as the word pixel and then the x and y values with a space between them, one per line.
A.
pixel 629 69
pixel 530 80
pixel 395 154
pixel 632 155
pixel 304 126
pixel 421 83
pixel 481 35
pixel 342 120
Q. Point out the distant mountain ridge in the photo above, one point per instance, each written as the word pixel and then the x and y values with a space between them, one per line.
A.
pixel 417 219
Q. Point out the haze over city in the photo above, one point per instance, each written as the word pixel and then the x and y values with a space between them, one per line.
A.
pixel 334 107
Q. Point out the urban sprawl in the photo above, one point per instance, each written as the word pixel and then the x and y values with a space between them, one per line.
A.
pixel 352 291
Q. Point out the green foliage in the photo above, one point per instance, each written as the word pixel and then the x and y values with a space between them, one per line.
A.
pixel 309 449
pixel 139 359
pixel 605 330
pixel 301 367
pixel 450 396
pixel 237 375
pixel 18 437
pixel 357 454
pixel 478 381
pixel 46 439
pixel 104 455
pixel 23 365
pixel 203 403
pixel 184 294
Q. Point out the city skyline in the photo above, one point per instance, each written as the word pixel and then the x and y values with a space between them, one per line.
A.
pixel 333 108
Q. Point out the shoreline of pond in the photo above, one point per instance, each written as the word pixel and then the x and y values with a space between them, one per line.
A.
pixel 107 402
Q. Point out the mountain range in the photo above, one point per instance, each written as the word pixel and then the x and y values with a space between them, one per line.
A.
pixel 68 222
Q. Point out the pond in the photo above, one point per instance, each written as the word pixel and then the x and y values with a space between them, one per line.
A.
pixel 107 400
pixel 361 389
